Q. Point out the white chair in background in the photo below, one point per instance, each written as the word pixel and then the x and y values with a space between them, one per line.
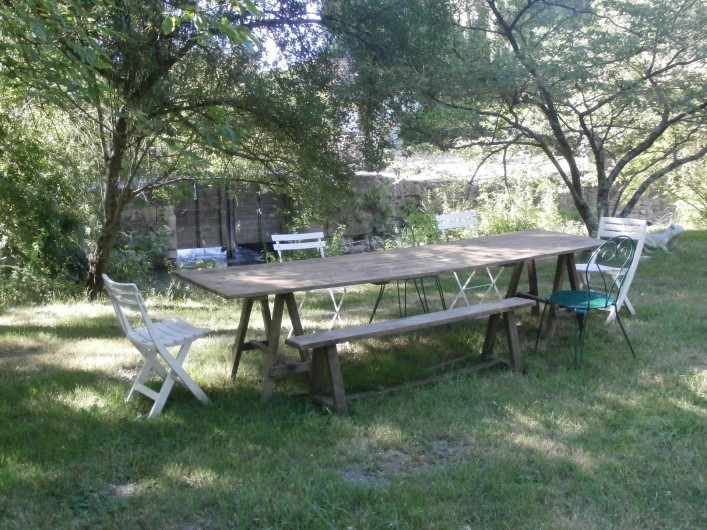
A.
pixel 308 241
pixel 618 226
pixel 461 220
pixel 153 341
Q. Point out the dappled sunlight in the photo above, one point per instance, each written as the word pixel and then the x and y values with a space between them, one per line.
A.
pixel 83 398
pixel 377 437
pixel 530 434
pixel 25 353
pixel 697 381
pixel 692 408
pixel 54 314
pixel 97 354
pixel 192 476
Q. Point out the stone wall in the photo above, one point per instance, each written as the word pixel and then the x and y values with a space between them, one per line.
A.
pixel 256 214
pixel 145 219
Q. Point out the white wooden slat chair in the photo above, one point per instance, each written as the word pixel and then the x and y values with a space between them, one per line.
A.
pixel 153 341
pixel 308 241
pixel 618 226
pixel 461 220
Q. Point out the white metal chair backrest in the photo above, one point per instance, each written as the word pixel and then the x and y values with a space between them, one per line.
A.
pixel 467 219
pixel 617 226
pixel 309 240
pixel 464 219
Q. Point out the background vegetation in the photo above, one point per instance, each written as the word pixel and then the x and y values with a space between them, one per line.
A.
pixel 105 103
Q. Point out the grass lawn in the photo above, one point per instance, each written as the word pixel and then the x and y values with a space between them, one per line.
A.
pixel 617 444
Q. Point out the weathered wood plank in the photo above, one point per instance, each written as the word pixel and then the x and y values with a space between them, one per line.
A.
pixel 389 265
pixel 407 324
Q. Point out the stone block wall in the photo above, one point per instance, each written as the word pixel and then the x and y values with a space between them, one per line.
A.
pixel 145 219
pixel 256 214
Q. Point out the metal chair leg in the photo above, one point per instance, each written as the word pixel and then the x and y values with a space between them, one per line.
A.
pixel 540 327
pixel 621 324
pixel 378 301
pixel 581 325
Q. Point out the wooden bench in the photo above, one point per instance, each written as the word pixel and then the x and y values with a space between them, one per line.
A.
pixel 323 345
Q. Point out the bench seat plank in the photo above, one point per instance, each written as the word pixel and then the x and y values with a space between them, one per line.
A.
pixel 407 324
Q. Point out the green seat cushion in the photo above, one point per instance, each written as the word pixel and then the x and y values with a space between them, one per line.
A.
pixel 581 299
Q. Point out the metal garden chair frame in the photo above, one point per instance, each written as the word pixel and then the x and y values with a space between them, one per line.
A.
pixel 602 289
pixel 636 230
pixel 397 232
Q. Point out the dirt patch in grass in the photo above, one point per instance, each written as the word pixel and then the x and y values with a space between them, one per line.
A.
pixel 389 463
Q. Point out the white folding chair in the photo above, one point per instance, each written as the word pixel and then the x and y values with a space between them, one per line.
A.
pixel 310 240
pixel 461 220
pixel 153 341
pixel 618 226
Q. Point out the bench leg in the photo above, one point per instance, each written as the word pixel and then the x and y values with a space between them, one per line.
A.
pixel 329 356
pixel 492 328
pixel 514 351
pixel 511 328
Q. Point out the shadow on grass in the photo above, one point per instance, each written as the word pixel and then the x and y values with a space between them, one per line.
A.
pixel 71 446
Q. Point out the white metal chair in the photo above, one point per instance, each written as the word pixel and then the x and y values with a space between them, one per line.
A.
pixel 462 220
pixel 308 241
pixel 153 341
pixel 618 226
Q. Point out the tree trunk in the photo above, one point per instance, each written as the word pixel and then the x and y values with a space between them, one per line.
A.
pixel 99 260
pixel 115 197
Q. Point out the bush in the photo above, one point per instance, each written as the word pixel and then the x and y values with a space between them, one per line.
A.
pixel 136 255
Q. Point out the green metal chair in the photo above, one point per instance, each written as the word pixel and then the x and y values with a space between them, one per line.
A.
pixel 602 289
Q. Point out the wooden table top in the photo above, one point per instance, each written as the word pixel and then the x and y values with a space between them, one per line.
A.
pixel 251 281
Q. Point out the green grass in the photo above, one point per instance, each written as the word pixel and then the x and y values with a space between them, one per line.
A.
pixel 617 444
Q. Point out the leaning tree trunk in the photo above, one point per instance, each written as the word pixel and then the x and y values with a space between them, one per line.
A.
pixel 116 195
pixel 99 260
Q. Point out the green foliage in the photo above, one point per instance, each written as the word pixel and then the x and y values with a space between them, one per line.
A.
pixel 422 222
pixel 522 204
pixel 40 226
pixel 21 286
pixel 165 93
pixel 41 215
pixel 688 189
pixel 609 107
pixel 335 245
pixel 136 255
pixel 376 199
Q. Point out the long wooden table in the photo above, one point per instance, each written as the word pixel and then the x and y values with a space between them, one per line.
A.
pixel 257 283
